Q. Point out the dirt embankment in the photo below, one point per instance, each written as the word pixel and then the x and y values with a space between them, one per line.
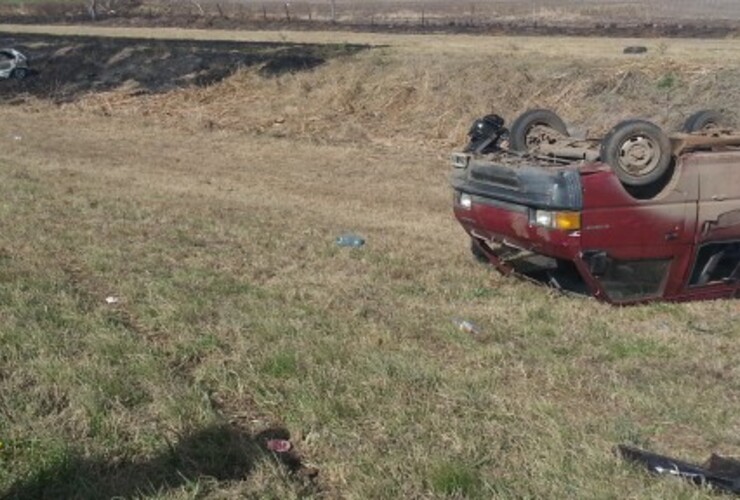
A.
pixel 186 15
pixel 65 68
pixel 606 29
pixel 405 96
pixel 521 28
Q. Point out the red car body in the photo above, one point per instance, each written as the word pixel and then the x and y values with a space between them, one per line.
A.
pixel 681 242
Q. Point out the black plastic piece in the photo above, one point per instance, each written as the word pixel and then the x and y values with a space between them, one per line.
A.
pixel 485 134
pixel 718 472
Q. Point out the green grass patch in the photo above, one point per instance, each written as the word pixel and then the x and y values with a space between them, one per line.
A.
pixel 281 365
pixel 455 478
pixel 637 348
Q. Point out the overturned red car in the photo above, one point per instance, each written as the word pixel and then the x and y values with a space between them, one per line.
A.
pixel 636 216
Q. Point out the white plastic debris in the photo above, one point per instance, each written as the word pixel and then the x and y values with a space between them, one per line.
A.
pixel 466 326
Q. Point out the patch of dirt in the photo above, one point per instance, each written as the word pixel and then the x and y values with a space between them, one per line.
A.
pixel 64 68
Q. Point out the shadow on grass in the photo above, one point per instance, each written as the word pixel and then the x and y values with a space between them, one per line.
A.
pixel 221 453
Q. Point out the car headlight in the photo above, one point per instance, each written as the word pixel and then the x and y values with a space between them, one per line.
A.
pixel 465 201
pixel 565 221
pixel 543 218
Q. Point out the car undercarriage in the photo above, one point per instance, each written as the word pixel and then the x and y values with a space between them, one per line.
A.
pixel 635 216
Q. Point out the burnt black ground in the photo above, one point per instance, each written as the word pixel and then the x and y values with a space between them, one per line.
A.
pixel 64 67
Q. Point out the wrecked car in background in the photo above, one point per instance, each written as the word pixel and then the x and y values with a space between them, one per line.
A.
pixel 13 64
pixel 635 216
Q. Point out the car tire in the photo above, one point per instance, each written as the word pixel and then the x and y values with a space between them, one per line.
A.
pixel 20 73
pixel 703 120
pixel 519 132
pixel 638 152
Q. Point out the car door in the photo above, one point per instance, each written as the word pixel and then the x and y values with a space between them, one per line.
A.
pixel 715 271
pixel 647 240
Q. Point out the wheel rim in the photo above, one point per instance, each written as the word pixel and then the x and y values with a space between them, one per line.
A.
pixel 639 156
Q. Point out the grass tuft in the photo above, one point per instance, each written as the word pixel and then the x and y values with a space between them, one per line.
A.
pixel 455 479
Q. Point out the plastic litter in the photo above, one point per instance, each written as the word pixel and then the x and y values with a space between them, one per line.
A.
pixel 466 326
pixel 112 300
pixel 350 240
pixel 279 445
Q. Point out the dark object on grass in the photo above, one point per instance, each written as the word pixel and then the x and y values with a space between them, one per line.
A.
pixel 485 134
pixel 635 49
pixel 221 452
pixel 718 472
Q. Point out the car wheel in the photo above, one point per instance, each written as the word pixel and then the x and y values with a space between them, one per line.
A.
pixel 706 119
pixel 20 73
pixel 533 128
pixel 638 152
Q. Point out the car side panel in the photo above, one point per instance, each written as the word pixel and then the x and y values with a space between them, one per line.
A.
pixel 719 196
pixel 629 229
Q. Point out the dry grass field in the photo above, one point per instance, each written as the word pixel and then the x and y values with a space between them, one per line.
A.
pixel 509 15
pixel 482 11
pixel 210 213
